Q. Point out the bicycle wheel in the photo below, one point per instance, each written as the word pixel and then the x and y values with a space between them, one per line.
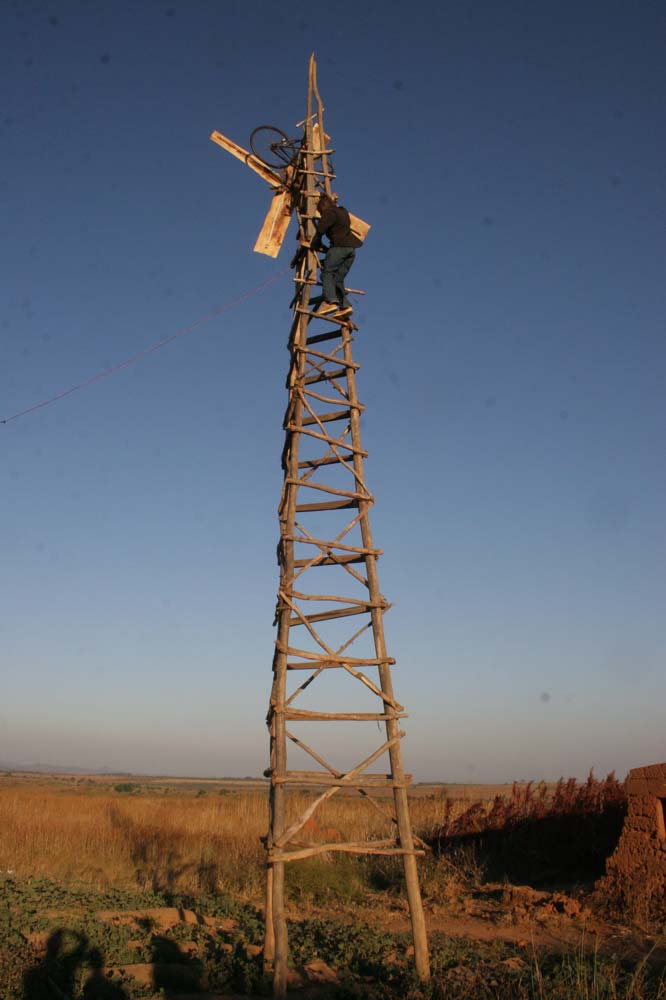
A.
pixel 273 147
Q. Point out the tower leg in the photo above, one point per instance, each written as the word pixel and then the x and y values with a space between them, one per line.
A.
pixel 280 926
pixel 269 935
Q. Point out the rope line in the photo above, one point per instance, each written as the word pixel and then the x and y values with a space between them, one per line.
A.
pixel 148 350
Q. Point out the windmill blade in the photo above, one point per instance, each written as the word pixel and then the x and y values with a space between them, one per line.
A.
pixel 247 158
pixel 276 223
pixel 359 227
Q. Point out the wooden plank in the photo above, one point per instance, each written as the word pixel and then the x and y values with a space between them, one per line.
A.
pixel 308 665
pixel 329 561
pixel 247 158
pixel 316 778
pixel 314 463
pixel 276 223
pixel 332 505
pixel 324 616
pixel 326 418
pixel 358 227
pixel 332 490
pixel 333 544
pixel 325 376
pixel 367 848
pixel 349 365
pixel 333 442
pixel 312 660
pixel 305 715
pixel 331 335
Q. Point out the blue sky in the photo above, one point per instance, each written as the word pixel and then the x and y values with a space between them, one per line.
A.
pixel 512 161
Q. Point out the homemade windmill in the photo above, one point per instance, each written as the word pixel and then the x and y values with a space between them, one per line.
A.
pixel 327 537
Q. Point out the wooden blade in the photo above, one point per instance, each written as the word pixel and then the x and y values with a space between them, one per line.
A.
pixel 247 158
pixel 276 223
pixel 359 227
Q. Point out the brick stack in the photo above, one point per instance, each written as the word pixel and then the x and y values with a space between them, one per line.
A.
pixel 636 871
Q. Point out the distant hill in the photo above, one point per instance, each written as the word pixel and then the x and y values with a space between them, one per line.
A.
pixel 12 765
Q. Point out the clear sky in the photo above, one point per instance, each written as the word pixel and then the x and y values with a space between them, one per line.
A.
pixel 511 158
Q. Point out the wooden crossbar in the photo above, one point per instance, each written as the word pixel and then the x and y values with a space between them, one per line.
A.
pixel 367 848
pixel 385 781
pixel 316 463
pixel 326 418
pixel 324 376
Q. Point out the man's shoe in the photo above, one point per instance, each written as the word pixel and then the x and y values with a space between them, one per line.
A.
pixel 324 308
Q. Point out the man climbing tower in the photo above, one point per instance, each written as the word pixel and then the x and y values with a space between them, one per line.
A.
pixel 334 223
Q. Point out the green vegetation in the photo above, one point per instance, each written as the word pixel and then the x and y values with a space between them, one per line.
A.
pixel 369 962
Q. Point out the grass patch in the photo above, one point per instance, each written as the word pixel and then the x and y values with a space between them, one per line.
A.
pixel 540 836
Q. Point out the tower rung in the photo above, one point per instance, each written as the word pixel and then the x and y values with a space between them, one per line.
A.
pixel 337 664
pixel 327 544
pixel 367 848
pixel 326 376
pixel 327 357
pixel 326 418
pixel 329 561
pixel 324 616
pixel 319 337
pixel 333 442
pixel 330 505
pixel 314 463
pixel 305 715
pixel 329 317
pixel 317 778
pixel 331 490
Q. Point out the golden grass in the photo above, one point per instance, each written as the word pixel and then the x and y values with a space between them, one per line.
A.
pixel 175 841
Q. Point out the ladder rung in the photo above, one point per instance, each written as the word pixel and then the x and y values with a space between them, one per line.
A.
pixel 314 463
pixel 329 317
pixel 317 778
pixel 326 418
pixel 367 848
pixel 304 715
pixel 329 505
pixel 331 358
pixel 323 616
pixel 334 544
pixel 310 484
pixel 323 336
pixel 334 442
pixel 329 561
pixel 326 376
pixel 336 664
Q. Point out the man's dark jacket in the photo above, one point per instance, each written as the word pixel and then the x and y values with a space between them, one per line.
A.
pixel 334 224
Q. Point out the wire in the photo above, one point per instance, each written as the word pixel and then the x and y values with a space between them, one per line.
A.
pixel 148 350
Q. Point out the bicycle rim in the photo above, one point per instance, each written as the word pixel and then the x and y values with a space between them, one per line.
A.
pixel 272 146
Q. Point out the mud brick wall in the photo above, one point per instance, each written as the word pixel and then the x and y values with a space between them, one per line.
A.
pixel 636 871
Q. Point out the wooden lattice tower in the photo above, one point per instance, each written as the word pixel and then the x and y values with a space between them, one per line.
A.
pixel 328 574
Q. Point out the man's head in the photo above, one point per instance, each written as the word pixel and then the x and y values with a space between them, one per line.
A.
pixel 325 202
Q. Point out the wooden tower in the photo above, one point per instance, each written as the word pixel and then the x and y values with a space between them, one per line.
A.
pixel 330 610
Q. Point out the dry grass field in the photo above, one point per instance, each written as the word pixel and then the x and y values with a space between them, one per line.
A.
pixel 192 837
